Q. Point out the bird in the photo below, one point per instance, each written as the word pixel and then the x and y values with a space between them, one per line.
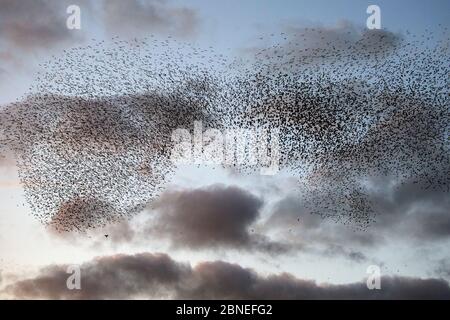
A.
pixel 93 135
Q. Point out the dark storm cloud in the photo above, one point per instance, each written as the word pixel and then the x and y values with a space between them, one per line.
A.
pixel 216 216
pixel 154 16
pixel 157 275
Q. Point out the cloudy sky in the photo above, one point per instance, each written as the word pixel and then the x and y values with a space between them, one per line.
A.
pixel 214 233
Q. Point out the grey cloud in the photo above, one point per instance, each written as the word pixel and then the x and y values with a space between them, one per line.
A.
pixel 443 268
pixel 312 44
pixel 32 24
pixel 344 36
pixel 315 233
pixel 39 26
pixel 216 216
pixel 31 30
pixel 157 275
pixel 405 209
pixel 333 250
pixel 408 211
pixel 246 284
pixel 155 16
pixel 213 217
pixel 118 276
pixel 412 210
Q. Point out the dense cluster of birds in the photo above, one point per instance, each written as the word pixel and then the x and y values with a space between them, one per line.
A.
pixel 94 136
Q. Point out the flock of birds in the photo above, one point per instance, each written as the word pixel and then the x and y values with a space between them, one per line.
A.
pixel 93 136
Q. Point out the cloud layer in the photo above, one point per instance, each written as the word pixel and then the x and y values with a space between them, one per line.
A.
pixel 157 275
pixel 207 217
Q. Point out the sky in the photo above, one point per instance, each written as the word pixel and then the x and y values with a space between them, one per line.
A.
pixel 215 232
